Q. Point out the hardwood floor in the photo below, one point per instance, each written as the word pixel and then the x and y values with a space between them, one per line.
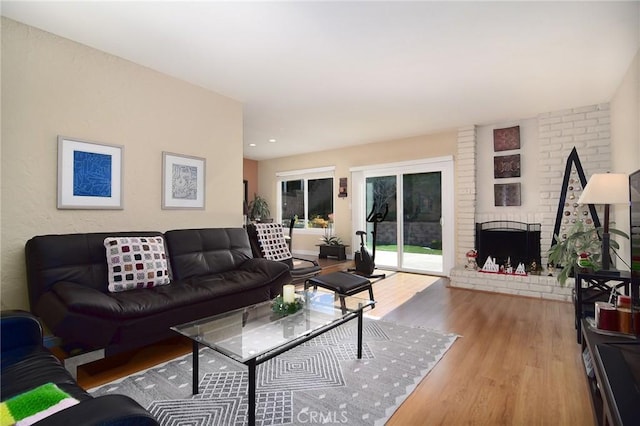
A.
pixel 516 363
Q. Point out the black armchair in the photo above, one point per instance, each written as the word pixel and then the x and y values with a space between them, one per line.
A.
pixel 27 364
pixel 268 241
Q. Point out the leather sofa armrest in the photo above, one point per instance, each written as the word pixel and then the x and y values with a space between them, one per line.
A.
pixel 107 410
pixel 19 329
pixel 84 299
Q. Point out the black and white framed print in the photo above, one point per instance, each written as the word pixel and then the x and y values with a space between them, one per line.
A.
pixel 183 181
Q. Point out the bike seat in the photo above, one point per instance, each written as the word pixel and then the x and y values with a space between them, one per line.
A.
pixel 361 233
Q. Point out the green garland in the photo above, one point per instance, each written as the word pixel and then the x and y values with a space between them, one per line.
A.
pixel 279 307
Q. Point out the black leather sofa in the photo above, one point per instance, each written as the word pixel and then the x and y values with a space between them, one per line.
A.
pixel 212 271
pixel 27 364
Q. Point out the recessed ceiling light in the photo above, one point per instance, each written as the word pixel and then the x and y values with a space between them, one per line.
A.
pixel 272 140
pixel 252 144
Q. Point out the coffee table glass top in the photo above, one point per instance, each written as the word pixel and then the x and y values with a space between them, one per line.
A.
pixel 247 333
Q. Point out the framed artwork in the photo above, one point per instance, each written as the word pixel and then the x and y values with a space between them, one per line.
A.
pixel 507 194
pixel 506 166
pixel 89 175
pixel 183 179
pixel 506 139
pixel 342 188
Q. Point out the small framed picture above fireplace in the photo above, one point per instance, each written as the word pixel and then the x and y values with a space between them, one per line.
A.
pixel 507 194
pixel 506 166
pixel 506 139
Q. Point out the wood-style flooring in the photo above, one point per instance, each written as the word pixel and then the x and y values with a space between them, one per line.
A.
pixel 516 363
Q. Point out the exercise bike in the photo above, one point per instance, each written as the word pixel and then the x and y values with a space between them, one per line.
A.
pixel 365 263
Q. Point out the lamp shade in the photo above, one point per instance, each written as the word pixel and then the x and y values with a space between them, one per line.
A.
pixel 606 188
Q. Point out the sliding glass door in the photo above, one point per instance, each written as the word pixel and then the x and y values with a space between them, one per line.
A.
pixel 413 236
pixel 381 202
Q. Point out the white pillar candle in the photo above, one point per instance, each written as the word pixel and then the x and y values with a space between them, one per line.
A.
pixel 288 293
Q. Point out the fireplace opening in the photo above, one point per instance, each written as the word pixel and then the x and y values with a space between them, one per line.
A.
pixel 508 241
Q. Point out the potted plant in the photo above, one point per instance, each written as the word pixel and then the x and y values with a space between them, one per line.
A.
pixel 327 224
pixel 331 244
pixel 581 241
pixel 332 240
pixel 259 208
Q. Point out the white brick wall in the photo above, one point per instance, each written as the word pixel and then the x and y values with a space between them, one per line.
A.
pixel 588 130
pixel 465 192
pixel 538 286
pixel 585 128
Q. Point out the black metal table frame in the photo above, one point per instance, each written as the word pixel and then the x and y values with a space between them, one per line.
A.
pixel 254 362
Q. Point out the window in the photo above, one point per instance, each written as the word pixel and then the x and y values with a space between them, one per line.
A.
pixel 307 194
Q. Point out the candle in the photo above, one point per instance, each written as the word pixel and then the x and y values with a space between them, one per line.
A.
pixel 624 320
pixel 288 293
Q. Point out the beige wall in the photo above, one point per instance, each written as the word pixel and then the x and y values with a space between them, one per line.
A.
pixel 625 141
pixel 429 146
pixel 250 174
pixel 625 121
pixel 52 86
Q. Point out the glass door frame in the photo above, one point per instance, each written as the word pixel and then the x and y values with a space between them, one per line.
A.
pixel 444 165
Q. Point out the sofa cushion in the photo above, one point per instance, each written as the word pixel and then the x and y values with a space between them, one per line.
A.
pixel 251 274
pixel 78 258
pixel 200 252
pixel 136 262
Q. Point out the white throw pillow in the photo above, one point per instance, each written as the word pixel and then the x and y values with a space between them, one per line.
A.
pixel 272 241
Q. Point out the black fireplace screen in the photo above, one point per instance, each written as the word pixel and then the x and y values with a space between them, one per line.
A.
pixel 508 241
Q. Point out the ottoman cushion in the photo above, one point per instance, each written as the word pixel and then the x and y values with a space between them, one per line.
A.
pixel 341 282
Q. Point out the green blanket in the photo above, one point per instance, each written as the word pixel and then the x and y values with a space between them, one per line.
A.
pixel 34 405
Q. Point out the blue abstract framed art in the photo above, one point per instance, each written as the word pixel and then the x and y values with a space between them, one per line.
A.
pixel 89 175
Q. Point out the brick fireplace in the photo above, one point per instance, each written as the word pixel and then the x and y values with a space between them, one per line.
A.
pixel 508 242
pixel 547 141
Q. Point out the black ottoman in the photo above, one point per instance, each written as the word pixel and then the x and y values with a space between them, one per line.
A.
pixel 342 283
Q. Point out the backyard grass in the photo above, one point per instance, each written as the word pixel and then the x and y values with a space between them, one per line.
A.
pixel 409 249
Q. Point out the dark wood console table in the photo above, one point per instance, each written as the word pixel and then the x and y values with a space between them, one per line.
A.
pixel 614 376
pixel 592 287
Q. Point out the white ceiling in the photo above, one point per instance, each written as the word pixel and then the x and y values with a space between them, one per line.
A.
pixel 321 75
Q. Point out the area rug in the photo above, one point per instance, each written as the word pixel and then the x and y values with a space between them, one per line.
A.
pixel 321 381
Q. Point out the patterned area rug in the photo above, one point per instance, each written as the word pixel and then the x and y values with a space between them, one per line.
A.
pixel 319 382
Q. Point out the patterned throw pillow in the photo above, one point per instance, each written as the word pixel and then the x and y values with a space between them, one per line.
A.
pixel 136 262
pixel 272 241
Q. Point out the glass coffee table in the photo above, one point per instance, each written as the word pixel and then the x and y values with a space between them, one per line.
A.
pixel 255 334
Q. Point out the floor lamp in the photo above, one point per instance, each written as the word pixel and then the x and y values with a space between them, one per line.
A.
pixel 607 189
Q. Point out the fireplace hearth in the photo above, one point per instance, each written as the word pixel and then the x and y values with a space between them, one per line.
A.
pixel 508 242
